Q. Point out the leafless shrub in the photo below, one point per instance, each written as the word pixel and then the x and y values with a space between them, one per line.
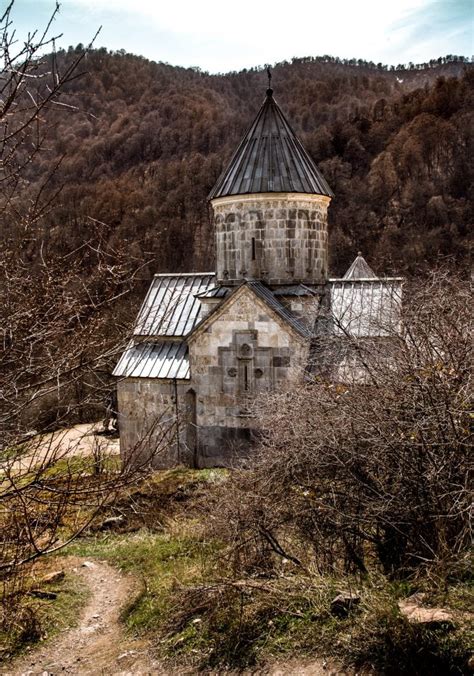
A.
pixel 349 475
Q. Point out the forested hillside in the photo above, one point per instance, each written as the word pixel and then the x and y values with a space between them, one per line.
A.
pixel 137 145
pixel 333 543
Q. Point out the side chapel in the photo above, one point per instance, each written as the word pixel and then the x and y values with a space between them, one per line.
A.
pixel 206 344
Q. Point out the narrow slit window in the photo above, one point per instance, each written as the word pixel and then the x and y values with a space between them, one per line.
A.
pixel 254 250
pixel 246 378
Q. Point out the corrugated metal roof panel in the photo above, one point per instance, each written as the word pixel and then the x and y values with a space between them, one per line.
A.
pixel 270 158
pixel 171 307
pixel 368 308
pixel 167 360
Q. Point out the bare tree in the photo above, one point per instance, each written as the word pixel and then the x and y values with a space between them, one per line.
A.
pixel 61 330
pixel 31 86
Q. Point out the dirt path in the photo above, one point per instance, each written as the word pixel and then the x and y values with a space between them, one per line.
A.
pixel 78 441
pixel 97 645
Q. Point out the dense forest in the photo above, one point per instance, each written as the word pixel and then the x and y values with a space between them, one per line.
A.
pixel 135 146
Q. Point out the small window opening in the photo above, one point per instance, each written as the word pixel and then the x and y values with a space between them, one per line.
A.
pixel 246 378
pixel 253 249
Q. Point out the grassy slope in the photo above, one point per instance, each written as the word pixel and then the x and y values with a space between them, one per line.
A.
pixel 193 610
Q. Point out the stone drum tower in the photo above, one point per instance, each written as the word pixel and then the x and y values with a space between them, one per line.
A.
pixel 270 208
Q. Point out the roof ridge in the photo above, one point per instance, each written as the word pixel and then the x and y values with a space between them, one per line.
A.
pixel 184 274
pixel 266 296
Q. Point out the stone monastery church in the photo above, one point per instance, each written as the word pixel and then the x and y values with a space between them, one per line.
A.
pixel 205 344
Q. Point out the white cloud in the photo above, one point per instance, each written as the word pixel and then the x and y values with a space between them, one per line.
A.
pixel 219 36
pixel 295 22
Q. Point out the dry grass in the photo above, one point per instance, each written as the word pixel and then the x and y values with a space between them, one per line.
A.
pixel 36 619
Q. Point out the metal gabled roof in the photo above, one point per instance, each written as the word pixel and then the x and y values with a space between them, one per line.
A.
pixel 362 304
pixel 267 295
pixel 170 307
pixel 270 158
pixel 268 298
pixel 167 360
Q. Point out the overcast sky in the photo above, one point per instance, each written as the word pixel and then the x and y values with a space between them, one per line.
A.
pixel 221 36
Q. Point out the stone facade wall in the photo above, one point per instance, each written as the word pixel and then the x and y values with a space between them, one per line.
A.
pixel 305 308
pixel 243 351
pixel 149 422
pixel 277 238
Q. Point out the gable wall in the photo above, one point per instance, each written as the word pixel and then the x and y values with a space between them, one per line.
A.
pixel 227 375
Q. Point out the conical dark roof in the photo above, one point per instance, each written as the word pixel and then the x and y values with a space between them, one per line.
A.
pixel 270 158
